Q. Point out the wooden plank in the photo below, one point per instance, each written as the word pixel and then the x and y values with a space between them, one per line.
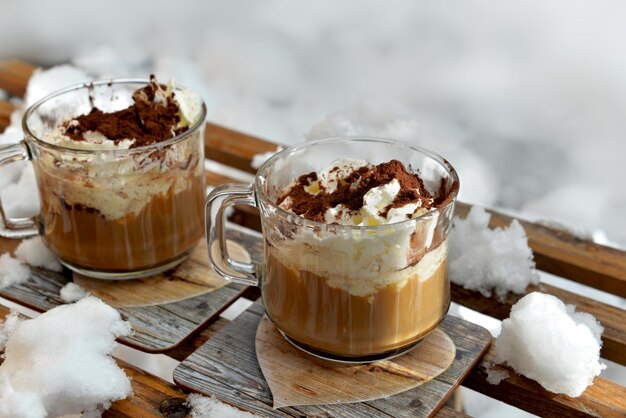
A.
pixel 6 108
pixel 14 76
pixel 233 148
pixel 566 255
pixel 226 367
pixel 216 179
pixel 603 399
pixel 611 318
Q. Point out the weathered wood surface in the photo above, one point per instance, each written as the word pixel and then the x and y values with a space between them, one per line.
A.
pixel 324 383
pixel 226 366
pixel 14 76
pixel 158 328
pixel 6 108
pixel 233 148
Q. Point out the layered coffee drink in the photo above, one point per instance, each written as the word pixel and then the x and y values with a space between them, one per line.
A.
pixel 124 189
pixel 365 274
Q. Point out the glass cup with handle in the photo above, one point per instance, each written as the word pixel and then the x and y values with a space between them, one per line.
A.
pixel 114 213
pixel 342 292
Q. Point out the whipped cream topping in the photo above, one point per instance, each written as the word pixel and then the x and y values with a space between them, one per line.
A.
pixel 158 113
pixel 353 192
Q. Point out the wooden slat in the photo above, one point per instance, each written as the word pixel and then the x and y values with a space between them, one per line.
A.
pixel 603 399
pixel 233 148
pixel 613 319
pixel 14 76
pixel 565 255
pixel 216 179
pixel 6 108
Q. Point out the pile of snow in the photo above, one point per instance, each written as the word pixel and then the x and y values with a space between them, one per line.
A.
pixel 32 251
pixel 547 341
pixel 60 362
pixel 259 159
pixel 35 253
pixel 487 259
pixel 12 271
pixel 203 407
pixel 72 292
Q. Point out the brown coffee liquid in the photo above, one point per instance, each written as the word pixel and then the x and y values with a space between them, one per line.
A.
pixel 333 321
pixel 169 226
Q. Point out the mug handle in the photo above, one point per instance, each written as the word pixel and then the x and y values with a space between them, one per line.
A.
pixel 15 228
pixel 217 203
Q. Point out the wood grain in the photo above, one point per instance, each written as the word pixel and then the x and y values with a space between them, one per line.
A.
pixel 321 382
pixel 14 76
pixel 6 108
pixel 226 366
pixel 233 148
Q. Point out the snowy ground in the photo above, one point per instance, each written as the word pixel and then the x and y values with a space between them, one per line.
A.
pixel 526 99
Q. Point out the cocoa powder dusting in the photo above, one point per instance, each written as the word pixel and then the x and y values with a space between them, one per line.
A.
pixel 351 191
pixel 146 121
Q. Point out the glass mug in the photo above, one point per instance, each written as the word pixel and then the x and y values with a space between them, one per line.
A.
pixel 344 293
pixel 111 214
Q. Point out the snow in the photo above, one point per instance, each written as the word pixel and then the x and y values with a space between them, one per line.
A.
pixel 21 199
pixel 545 340
pixel 34 252
pixel 72 292
pixel 8 327
pixel 259 159
pixel 495 374
pixel 205 407
pixel 46 81
pixel 12 271
pixel 486 259
pixel 66 349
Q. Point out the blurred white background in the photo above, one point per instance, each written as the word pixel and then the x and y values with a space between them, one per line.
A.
pixel 527 99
